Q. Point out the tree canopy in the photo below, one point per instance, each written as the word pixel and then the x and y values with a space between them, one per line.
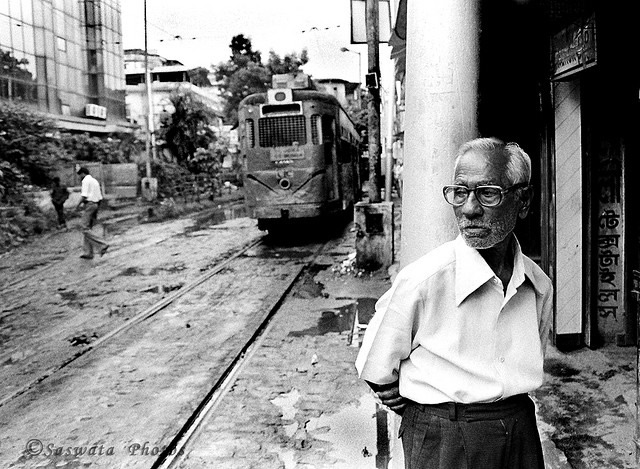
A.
pixel 188 129
pixel 245 74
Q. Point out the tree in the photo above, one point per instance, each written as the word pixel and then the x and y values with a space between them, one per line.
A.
pixel 242 51
pixel 290 63
pixel 187 129
pixel 117 147
pixel 199 76
pixel 244 74
pixel 28 150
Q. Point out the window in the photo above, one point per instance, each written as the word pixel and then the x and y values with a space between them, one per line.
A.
pixel 282 131
pixel 248 131
pixel 62 44
pixel 315 129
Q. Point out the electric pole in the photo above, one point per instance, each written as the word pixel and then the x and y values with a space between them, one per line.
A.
pixel 373 106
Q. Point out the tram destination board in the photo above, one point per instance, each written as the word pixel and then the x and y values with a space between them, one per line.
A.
pixel 279 154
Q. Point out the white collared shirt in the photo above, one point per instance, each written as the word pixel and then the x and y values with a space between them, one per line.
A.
pixel 449 332
pixel 91 189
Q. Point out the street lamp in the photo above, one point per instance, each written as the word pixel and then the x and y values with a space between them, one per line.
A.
pixel 345 49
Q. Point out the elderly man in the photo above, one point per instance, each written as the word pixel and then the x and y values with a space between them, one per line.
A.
pixel 90 202
pixel 458 341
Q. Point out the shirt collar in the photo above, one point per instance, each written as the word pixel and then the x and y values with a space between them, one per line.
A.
pixel 472 271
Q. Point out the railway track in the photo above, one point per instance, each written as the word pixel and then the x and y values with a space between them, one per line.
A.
pixel 138 318
pixel 24 405
pixel 177 450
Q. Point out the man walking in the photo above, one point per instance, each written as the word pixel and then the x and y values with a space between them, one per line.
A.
pixel 59 194
pixel 458 341
pixel 91 197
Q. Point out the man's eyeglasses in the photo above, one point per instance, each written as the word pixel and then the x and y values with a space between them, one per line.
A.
pixel 487 196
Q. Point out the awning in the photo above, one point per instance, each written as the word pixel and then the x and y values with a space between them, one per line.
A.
pixel 398 40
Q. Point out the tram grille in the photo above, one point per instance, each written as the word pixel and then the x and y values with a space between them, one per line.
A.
pixel 282 131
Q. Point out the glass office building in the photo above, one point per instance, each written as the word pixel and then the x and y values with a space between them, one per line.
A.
pixel 65 58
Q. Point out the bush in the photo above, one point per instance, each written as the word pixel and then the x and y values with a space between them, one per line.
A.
pixel 20 223
pixel 28 151
pixel 114 148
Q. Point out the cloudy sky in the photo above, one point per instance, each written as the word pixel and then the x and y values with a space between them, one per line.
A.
pixel 198 32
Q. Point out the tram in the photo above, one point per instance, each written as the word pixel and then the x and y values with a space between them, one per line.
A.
pixel 301 153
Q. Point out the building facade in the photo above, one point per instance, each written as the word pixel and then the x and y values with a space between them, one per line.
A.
pixel 64 58
pixel 167 78
pixel 346 92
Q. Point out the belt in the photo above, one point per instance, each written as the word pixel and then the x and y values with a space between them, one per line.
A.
pixel 482 411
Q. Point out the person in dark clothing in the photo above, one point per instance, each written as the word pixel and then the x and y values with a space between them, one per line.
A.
pixel 59 194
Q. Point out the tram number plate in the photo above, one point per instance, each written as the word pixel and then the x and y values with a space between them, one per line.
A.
pixel 278 154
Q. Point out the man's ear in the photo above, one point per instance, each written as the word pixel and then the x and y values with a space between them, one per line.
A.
pixel 526 196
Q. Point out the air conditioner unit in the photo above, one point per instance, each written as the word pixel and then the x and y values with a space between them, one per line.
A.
pixel 93 110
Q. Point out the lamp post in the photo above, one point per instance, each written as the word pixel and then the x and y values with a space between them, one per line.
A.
pixel 345 49
pixel 149 184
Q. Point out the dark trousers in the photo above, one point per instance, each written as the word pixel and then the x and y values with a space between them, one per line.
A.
pixel 500 435
pixel 91 241
pixel 60 211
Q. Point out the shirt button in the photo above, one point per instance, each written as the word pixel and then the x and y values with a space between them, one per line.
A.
pixel 501 359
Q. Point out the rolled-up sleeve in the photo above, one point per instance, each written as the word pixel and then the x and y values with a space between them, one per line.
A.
pixel 388 338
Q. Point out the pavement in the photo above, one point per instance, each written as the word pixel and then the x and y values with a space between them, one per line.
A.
pixel 297 403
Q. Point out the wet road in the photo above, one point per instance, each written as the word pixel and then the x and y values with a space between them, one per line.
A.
pixel 71 398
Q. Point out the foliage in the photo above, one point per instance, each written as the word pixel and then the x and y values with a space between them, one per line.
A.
pixel 360 117
pixel 28 150
pixel 115 148
pixel 290 63
pixel 14 67
pixel 20 223
pixel 242 51
pixel 187 129
pixel 199 76
pixel 245 74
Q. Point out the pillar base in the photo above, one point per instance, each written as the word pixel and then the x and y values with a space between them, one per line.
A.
pixel 374 235
pixel 149 188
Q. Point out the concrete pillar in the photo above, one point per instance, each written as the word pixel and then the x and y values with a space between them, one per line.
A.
pixel 441 102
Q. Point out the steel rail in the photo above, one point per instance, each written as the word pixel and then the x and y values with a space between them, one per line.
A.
pixel 138 318
pixel 176 451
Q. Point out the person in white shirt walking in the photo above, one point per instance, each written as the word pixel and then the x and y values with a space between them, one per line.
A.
pixel 90 202
pixel 458 341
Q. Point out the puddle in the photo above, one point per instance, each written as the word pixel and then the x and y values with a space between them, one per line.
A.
pixel 307 287
pixel 68 295
pixel 216 217
pixel 351 317
pixel 353 434
pixel 287 403
pixel 265 252
pixel 131 271
pixel 559 369
pixel 171 269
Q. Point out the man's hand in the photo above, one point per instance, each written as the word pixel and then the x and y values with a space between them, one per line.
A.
pixel 390 396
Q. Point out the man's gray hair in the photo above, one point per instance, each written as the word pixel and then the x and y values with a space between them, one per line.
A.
pixel 518 162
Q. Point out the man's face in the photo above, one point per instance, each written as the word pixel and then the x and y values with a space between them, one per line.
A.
pixel 484 227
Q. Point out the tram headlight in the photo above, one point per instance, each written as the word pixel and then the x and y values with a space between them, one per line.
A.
pixel 284 183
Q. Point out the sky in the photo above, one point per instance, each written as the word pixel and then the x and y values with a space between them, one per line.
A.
pixel 198 32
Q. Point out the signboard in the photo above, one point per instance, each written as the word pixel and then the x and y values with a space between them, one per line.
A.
pixel 286 153
pixel 574 48
pixel 359 21
pixel 612 280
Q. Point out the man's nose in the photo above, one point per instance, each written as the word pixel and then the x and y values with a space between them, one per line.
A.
pixel 471 207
